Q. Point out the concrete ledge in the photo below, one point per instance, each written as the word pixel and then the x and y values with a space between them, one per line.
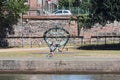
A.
pixel 64 67
pixel 49 17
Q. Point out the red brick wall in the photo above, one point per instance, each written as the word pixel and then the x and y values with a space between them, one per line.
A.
pixel 33 4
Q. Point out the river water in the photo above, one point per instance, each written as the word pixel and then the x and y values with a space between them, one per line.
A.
pixel 59 77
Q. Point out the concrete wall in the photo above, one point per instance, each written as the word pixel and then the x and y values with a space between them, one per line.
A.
pixel 51 66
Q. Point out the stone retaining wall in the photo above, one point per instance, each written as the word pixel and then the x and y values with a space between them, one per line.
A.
pixel 36 66
pixel 36 42
pixel 34 30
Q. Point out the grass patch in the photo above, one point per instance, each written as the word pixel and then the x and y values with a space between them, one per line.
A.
pixel 72 52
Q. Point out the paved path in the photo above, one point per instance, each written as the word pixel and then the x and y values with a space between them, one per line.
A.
pixel 64 58
pixel 22 49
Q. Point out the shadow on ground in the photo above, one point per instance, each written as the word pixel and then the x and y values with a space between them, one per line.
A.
pixel 100 47
pixel 7 47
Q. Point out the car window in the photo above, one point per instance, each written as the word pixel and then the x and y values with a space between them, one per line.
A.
pixel 54 11
pixel 58 12
pixel 65 11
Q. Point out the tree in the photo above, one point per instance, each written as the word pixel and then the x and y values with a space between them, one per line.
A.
pixel 103 11
pixel 83 22
pixel 76 6
pixel 65 3
pixel 76 3
pixel 85 5
pixel 10 11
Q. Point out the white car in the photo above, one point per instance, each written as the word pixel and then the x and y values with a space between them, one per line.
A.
pixel 62 12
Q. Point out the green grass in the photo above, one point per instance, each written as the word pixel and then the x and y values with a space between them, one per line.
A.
pixel 72 52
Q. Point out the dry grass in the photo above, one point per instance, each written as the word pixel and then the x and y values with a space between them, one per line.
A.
pixel 72 52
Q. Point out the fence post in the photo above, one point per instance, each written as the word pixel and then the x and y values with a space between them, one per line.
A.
pixel 90 40
pixel 105 40
pixel 14 42
pixel 81 40
pixel 119 39
pixel 97 40
pixel 22 41
pixel 30 44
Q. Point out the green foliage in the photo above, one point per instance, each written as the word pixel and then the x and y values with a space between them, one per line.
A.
pixel 103 11
pixel 85 4
pixel 83 21
pixel 76 3
pixel 65 3
pixel 14 8
pixel 10 11
pixel 76 6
